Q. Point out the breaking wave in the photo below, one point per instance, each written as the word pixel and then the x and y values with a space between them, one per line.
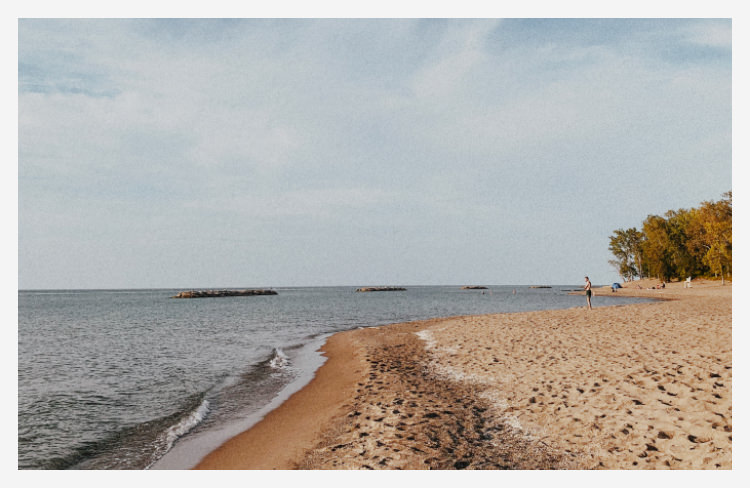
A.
pixel 279 360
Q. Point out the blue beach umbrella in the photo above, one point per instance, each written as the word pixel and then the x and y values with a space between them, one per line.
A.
pixel 616 285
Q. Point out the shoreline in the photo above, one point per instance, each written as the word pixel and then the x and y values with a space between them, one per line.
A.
pixel 187 455
pixel 426 394
pixel 283 435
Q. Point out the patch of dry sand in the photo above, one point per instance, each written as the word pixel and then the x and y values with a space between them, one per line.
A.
pixel 636 386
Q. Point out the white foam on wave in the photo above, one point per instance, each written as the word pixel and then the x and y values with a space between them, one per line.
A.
pixel 279 360
pixel 185 425
pixel 185 455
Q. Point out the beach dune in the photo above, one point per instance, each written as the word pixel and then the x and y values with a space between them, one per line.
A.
pixel 643 386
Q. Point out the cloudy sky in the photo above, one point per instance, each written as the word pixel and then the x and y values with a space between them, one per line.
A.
pixel 208 153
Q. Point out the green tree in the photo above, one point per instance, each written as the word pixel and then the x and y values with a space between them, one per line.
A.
pixel 625 245
pixel 711 232
pixel 684 260
pixel 681 243
pixel 657 255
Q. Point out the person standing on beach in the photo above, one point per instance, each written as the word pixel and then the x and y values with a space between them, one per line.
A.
pixel 587 289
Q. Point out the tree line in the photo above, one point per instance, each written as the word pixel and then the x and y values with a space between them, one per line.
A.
pixel 679 244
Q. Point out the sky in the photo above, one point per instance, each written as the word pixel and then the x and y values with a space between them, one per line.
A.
pixel 157 153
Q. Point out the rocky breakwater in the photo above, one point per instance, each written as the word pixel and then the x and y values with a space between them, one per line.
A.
pixel 222 293
pixel 473 287
pixel 380 288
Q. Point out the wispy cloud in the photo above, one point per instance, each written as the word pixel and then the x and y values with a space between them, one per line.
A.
pixel 717 34
pixel 247 128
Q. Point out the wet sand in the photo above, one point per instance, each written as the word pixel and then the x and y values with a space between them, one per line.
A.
pixel 645 386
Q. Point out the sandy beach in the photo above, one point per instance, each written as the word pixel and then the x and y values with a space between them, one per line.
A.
pixel 644 386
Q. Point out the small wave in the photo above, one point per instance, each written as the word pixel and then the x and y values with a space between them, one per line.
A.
pixel 279 359
pixel 187 423
pixel 136 446
pixel 182 427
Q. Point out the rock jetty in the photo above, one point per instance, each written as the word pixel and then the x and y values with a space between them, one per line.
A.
pixel 473 287
pixel 222 293
pixel 381 288
pixel 540 286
